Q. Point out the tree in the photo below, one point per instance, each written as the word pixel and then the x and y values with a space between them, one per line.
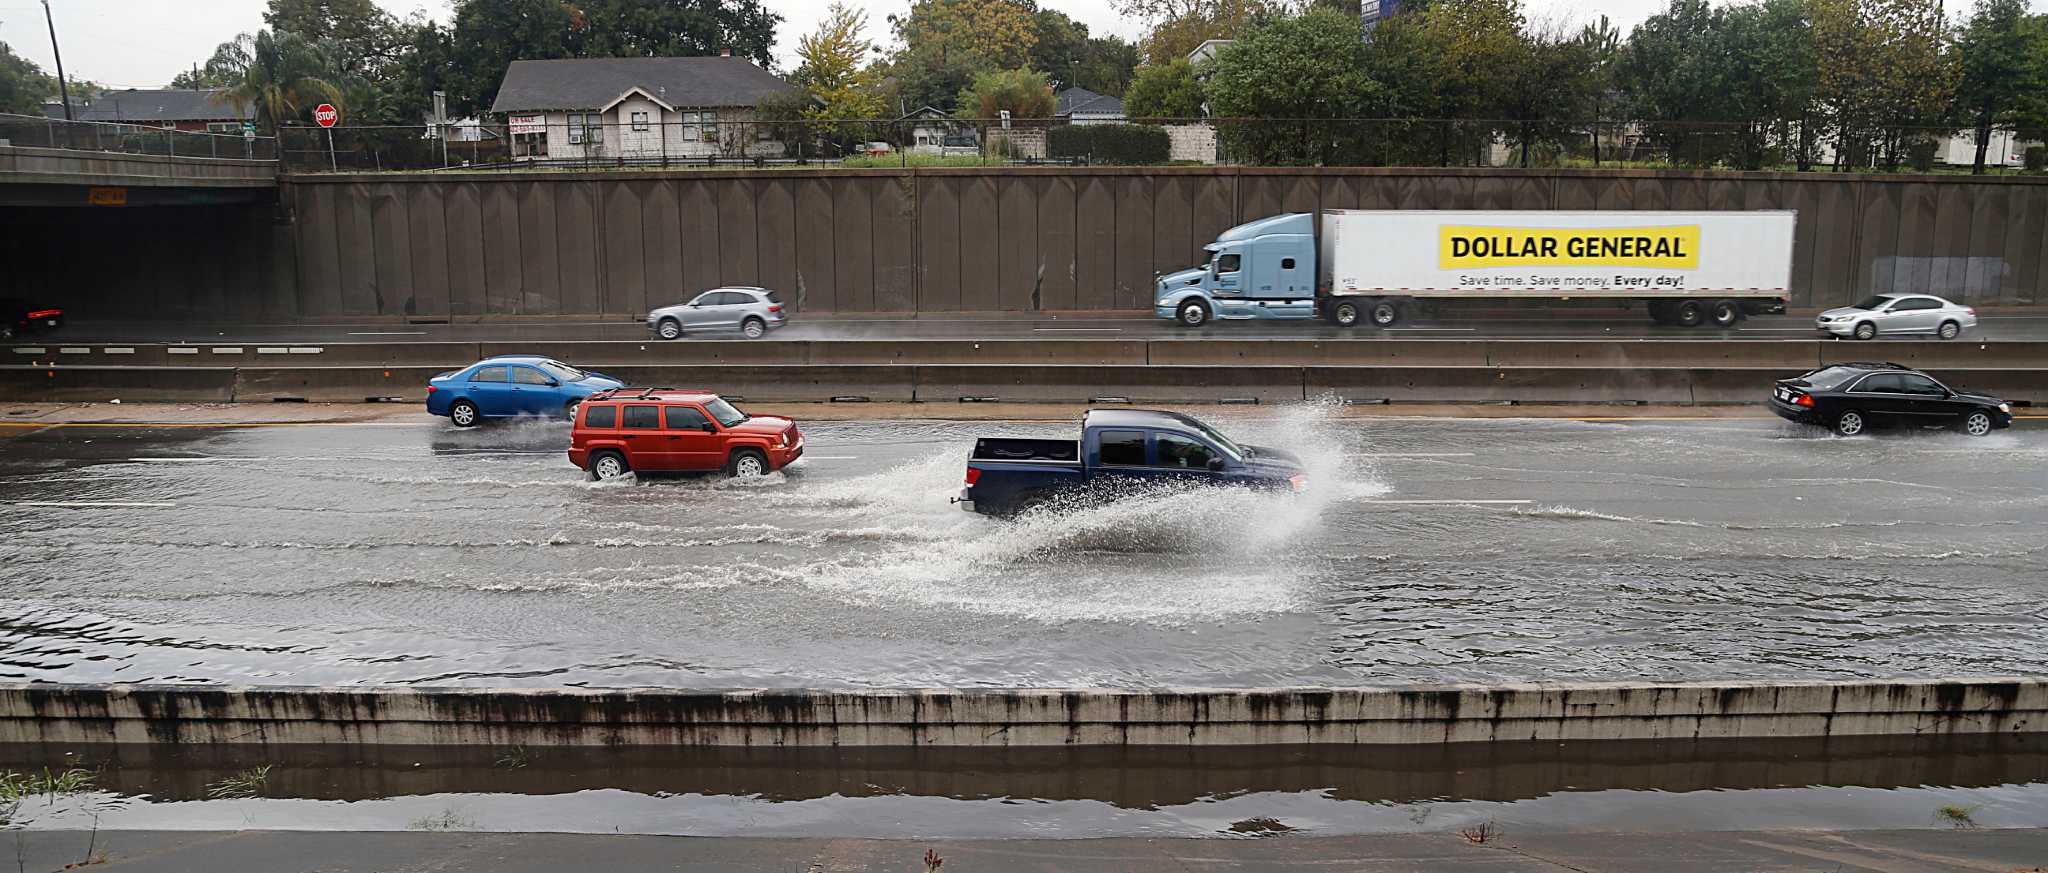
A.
pixel 944 44
pixel 1165 91
pixel 834 70
pixel 1767 78
pixel 1299 71
pixel 1883 75
pixel 486 36
pixel 1023 93
pixel 23 85
pixel 359 38
pixel 285 77
pixel 1452 59
pixel 1548 86
pixel 221 70
pixel 1998 73
pixel 673 28
pixel 1178 26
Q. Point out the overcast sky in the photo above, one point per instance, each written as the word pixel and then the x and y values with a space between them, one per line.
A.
pixel 143 43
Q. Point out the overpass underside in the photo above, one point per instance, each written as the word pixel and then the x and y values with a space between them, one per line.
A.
pixel 108 235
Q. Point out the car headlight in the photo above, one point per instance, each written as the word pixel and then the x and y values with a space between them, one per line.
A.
pixel 2005 407
pixel 1166 303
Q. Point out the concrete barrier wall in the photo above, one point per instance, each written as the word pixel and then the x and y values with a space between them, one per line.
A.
pixel 994 718
pixel 1012 382
pixel 979 239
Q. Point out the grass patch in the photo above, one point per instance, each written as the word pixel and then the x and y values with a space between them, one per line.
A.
pixel 248 783
pixel 447 820
pixel 22 786
pixel 1481 834
pixel 900 160
pixel 515 758
pixel 1957 815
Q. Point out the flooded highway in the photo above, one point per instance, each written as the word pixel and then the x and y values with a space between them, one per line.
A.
pixel 1424 550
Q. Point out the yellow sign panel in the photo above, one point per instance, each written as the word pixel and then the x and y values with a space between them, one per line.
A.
pixel 107 196
pixel 1466 247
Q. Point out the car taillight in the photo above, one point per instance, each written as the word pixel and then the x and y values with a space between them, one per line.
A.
pixel 1803 400
pixel 46 313
pixel 1297 483
pixel 972 475
pixel 775 308
pixel 431 389
pixel 1970 310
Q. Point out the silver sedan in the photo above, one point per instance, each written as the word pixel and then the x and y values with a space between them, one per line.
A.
pixel 1898 314
pixel 750 310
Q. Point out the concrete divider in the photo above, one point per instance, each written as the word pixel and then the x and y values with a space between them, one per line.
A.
pixel 1102 353
pixel 1489 385
pixel 70 384
pixel 600 354
pixel 1955 354
pixel 331 384
pixel 1079 384
pixel 1799 356
pixel 1265 352
pixel 1424 715
pixel 880 383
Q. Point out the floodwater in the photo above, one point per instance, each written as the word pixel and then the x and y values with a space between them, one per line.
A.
pixel 1424 551
pixel 1644 787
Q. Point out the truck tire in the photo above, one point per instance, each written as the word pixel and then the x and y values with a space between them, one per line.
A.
pixel 1725 313
pixel 1384 313
pixel 1660 311
pixel 1346 313
pixel 1193 313
pixel 1689 313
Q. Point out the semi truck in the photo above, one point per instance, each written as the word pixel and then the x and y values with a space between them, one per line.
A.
pixel 1375 267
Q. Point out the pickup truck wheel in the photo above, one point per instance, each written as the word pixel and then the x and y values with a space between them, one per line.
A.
pixel 669 329
pixel 608 465
pixel 464 414
pixel 1725 313
pixel 1690 313
pixel 746 464
pixel 1385 313
pixel 1345 314
pixel 1194 313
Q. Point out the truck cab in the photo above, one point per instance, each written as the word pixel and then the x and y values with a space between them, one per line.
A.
pixel 1119 450
pixel 1259 269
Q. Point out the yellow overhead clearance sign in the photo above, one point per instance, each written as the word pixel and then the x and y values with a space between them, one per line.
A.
pixel 1466 247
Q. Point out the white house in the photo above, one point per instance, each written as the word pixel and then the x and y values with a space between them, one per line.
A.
pixel 637 108
pixel 1082 106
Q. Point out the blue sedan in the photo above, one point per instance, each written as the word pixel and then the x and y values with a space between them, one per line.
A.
pixel 512 385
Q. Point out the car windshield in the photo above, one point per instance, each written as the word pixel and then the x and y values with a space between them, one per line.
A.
pixel 1235 452
pixel 726 413
pixel 1830 378
pixel 563 371
pixel 1876 301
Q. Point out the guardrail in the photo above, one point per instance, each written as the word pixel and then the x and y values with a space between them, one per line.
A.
pixel 133 138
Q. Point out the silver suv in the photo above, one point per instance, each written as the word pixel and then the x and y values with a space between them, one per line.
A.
pixel 750 310
pixel 1923 314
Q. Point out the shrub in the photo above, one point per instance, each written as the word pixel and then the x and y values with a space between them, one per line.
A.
pixel 1109 143
pixel 2036 158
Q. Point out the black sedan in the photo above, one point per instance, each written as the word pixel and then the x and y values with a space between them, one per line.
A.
pixel 1853 398
pixel 18 319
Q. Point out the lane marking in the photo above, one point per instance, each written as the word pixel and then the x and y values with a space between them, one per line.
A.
pixel 829 458
pixel 1449 502
pixel 148 424
pixel 1429 328
pixel 1078 329
pixel 387 333
pixel 1783 329
pixel 188 460
pixel 95 504
pixel 1421 455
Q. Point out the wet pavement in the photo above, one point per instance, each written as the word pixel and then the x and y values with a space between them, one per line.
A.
pixel 1427 550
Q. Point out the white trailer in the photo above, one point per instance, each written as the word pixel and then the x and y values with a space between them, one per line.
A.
pixel 1368 266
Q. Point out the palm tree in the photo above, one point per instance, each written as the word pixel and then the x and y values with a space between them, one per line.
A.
pixel 284 75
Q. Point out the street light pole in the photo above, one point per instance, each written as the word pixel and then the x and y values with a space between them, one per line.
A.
pixel 63 88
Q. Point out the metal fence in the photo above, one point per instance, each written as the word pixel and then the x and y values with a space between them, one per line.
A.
pixel 131 138
pixel 707 141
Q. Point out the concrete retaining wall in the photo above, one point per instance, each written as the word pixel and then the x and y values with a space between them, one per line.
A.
pixel 1395 715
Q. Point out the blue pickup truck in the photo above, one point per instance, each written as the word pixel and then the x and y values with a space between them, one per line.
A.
pixel 1119 450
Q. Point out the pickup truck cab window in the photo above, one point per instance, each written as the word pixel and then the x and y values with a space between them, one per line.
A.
pixel 1183 453
pixel 1125 448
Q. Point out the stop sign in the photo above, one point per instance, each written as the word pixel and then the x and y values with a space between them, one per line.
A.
pixel 326 115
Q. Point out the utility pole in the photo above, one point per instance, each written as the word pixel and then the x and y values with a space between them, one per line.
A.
pixel 63 88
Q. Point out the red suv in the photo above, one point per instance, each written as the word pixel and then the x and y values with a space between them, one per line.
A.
pixel 663 429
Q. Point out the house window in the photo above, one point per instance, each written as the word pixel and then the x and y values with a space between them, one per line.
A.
pixel 228 127
pixel 639 121
pixel 586 128
pixel 690 126
pixel 710 127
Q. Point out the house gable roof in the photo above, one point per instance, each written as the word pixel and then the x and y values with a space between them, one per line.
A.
pixel 169 104
pixel 1082 100
pixel 598 83
pixel 640 91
